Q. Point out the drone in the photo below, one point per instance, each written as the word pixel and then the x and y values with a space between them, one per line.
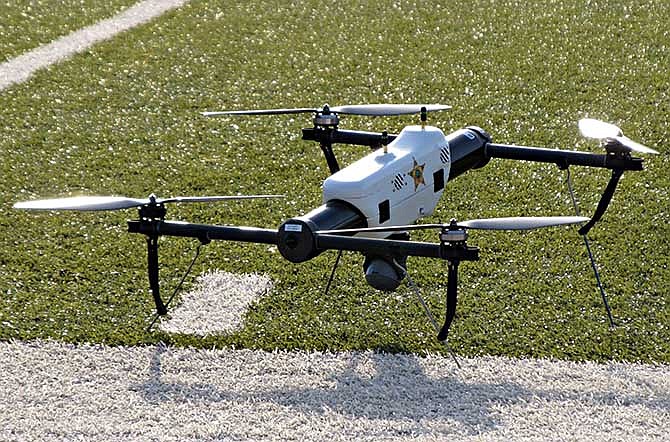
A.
pixel 372 205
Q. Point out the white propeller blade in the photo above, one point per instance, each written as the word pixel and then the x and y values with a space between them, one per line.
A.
pixel 371 110
pixel 261 112
pixel 376 110
pixel 592 128
pixel 634 145
pixel 207 199
pixel 512 223
pixel 83 203
pixel 96 203
pixel 522 222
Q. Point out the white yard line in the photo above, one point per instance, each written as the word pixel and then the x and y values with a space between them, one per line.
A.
pixel 52 391
pixel 21 68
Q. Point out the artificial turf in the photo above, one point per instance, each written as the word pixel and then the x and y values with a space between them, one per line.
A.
pixel 123 118
pixel 27 25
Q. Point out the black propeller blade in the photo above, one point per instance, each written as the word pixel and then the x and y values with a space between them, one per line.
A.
pixel 303 110
pixel 372 110
pixel 98 203
pixel 609 133
pixel 511 223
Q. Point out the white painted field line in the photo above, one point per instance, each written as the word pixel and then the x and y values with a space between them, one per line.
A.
pixel 53 391
pixel 216 304
pixel 21 68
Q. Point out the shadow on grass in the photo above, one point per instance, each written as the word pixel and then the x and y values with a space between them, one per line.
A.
pixel 393 392
pixel 372 386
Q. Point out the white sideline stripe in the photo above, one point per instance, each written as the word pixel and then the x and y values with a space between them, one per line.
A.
pixel 55 391
pixel 19 69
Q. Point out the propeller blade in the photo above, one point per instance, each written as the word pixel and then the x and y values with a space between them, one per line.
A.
pixel 207 199
pixel 97 203
pixel 262 112
pixel 511 223
pixel 635 146
pixel 521 222
pixel 371 110
pixel 592 128
pixel 383 229
pixel 378 110
pixel 83 203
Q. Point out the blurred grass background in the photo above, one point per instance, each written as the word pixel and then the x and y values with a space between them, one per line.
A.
pixel 123 118
pixel 25 25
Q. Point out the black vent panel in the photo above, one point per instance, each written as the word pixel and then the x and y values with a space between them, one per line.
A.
pixel 399 182
pixel 445 155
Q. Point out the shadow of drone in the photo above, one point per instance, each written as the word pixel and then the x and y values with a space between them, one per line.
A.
pixel 383 387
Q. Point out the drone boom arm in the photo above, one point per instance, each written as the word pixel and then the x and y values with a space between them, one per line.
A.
pixel 154 228
pixel 563 158
pixel 205 232
pixel 343 136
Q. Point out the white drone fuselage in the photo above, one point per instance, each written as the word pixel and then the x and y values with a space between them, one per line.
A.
pixel 391 186
pixel 397 185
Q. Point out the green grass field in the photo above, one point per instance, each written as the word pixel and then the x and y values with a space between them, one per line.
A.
pixel 123 118
pixel 27 25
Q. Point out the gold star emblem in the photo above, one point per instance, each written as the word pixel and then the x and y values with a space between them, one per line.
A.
pixel 417 174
